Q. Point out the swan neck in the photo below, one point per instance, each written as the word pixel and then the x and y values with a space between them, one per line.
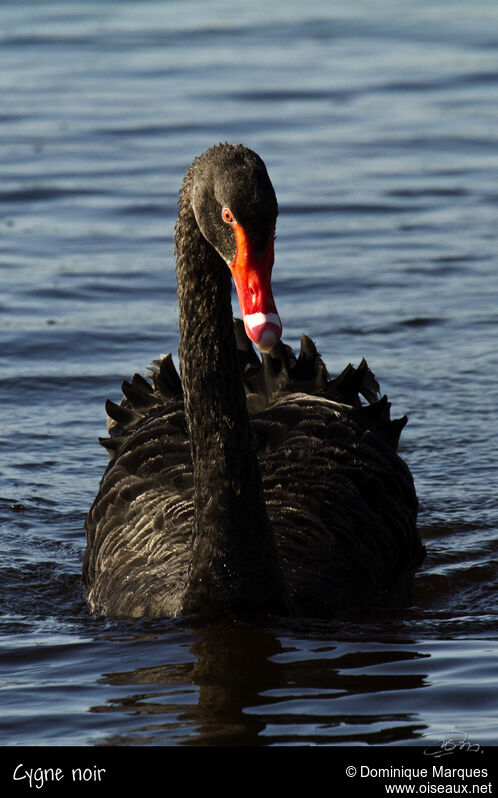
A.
pixel 234 564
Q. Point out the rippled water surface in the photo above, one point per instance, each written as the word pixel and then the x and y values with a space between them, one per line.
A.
pixel 378 123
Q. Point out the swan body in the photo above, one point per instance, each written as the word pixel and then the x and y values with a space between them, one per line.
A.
pixel 247 484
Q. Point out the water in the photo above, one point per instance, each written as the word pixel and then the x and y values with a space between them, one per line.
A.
pixel 378 123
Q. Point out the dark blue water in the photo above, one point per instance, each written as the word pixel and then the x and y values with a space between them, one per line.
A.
pixel 379 126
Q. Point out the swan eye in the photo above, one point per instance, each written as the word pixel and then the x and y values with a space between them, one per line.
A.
pixel 227 215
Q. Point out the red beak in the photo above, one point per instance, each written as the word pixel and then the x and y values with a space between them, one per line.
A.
pixel 252 277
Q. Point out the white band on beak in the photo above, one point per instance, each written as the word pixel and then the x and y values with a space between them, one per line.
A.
pixel 257 319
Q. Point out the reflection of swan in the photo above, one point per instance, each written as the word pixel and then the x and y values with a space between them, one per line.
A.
pixel 301 505
pixel 201 700
pixel 232 683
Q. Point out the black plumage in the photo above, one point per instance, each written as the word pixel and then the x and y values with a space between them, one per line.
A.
pixel 246 484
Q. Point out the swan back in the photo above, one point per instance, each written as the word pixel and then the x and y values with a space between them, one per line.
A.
pixel 340 500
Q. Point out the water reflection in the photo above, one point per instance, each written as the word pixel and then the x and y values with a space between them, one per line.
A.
pixel 249 685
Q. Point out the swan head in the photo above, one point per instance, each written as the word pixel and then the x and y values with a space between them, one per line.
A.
pixel 236 209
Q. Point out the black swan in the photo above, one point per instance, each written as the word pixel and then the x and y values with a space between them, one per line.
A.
pixel 249 485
